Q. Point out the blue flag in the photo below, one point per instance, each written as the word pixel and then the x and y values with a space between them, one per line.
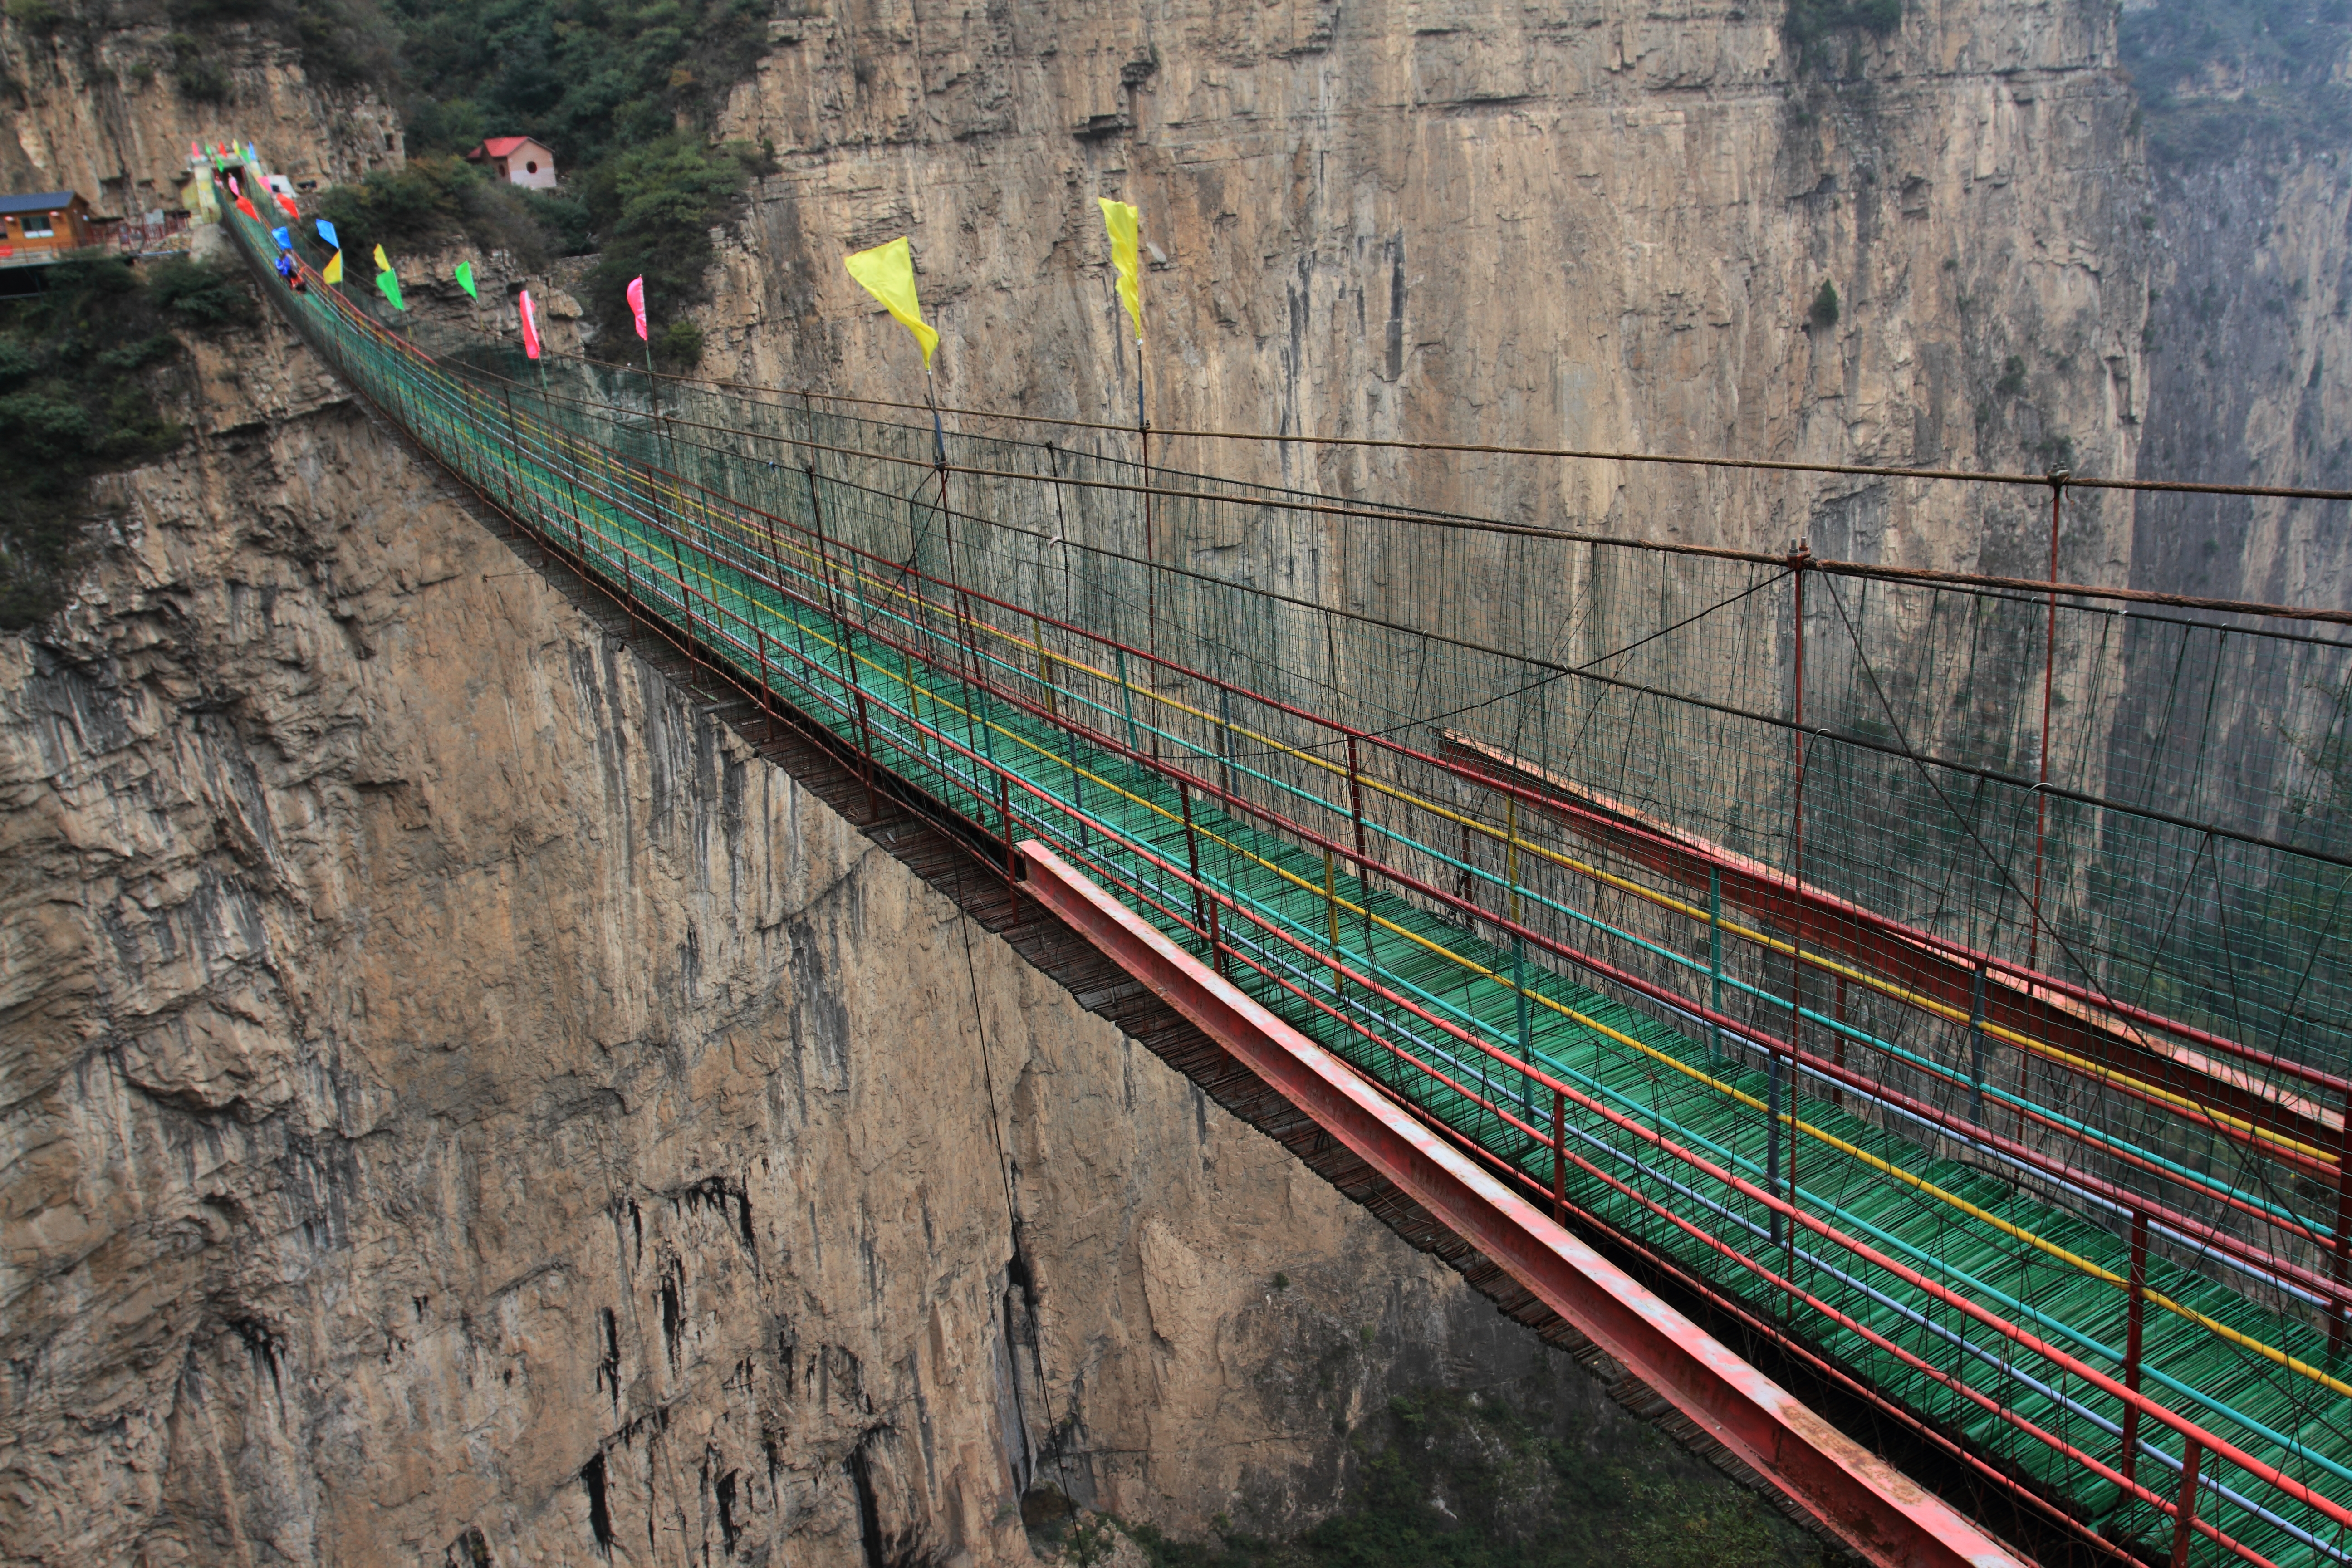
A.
pixel 285 240
pixel 327 233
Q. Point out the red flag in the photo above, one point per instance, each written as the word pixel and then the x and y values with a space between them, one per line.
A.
pixel 637 304
pixel 288 203
pixel 195 150
pixel 245 205
pixel 530 327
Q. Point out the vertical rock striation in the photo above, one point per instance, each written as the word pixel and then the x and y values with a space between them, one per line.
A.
pixel 1602 228
pixel 462 1105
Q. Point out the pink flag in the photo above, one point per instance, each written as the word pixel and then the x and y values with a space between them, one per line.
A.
pixel 233 189
pixel 637 303
pixel 530 327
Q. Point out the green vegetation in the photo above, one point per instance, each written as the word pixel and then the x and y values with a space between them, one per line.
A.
pixel 1812 21
pixel 77 398
pixel 343 41
pixel 654 207
pixel 438 199
pixel 1824 312
pixel 2215 74
pixel 1461 1481
pixel 626 95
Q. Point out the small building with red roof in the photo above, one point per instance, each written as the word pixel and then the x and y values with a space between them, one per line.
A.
pixel 519 160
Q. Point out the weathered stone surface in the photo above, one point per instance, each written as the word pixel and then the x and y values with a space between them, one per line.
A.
pixel 99 110
pixel 1597 228
pixel 2250 333
pixel 448 1081
pixel 451 1082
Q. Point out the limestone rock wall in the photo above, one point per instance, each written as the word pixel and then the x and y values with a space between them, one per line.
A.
pixel 1597 226
pixel 2250 338
pixel 461 1107
pixel 458 1097
pixel 99 108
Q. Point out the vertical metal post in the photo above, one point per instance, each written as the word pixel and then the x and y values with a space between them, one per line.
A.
pixel 2049 667
pixel 1363 867
pixel 1331 913
pixel 1202 903
pixel 1012 840
pixel 1559 1166
pixel 1775 1078
pixel 684 594
pixel 1715 953
pixel 2135 1316
pixel 1976 1044
pixel 2340 1246
pixel 1044 668
pixel 1519 942
pixel 1127 696
pixel 2184 1512
pixel 1225 740
pixel 1355 806
pixel 767 697
pixel 1837 1045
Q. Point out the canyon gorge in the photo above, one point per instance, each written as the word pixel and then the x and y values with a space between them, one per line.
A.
pixel 465 1105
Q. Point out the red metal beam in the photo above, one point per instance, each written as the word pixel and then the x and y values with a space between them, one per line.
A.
pixel 1878 1511
pixel 1928 968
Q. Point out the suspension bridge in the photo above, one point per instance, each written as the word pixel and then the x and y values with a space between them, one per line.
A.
pixel 1920 993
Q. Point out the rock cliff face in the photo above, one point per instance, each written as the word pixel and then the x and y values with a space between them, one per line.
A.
pixel 102 109
pixel 461 1106
pixel 460 1098
pixel 1600 227
pixel 2251 335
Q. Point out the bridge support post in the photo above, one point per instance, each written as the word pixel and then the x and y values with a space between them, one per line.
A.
pixel 1558 1158
pixel 2184 1512
pixel 767 697
pixel 1976 1044
pixel 2135 1323
pixel 2339 1259
pixel 1837 1042
pixel 1879 1513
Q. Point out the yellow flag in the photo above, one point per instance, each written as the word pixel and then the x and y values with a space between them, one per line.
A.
pixel 1126 240
pixel 381 264
pixel 887 272
pixel 334 271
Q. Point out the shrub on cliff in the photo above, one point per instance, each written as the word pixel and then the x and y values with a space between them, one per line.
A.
pixel 1811 21
pixel 657 205
pixel 2215 74
pixel 77 398
pixel 439 200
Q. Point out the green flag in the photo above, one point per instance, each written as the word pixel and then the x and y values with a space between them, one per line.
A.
pixel 387 283
pixel 465 276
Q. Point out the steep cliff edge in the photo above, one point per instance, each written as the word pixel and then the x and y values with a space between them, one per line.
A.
pixel 456 1087
pixel 463 1106
pixel 1604 227
pixel 2251 330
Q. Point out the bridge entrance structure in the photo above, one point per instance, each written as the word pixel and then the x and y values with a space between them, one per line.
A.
pixel 1935 985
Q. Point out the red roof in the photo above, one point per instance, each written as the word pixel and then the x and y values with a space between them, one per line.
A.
pixel 504 147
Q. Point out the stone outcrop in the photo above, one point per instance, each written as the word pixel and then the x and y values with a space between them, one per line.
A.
pixel 2249 338
pixel 462 1107
pixel 100 109
pixel 1600 228
pixel 462 1103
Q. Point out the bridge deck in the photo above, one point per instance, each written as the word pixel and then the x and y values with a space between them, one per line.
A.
pixel 2146 1401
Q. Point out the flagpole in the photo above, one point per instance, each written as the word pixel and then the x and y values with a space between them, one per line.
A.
pixel 1151 552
